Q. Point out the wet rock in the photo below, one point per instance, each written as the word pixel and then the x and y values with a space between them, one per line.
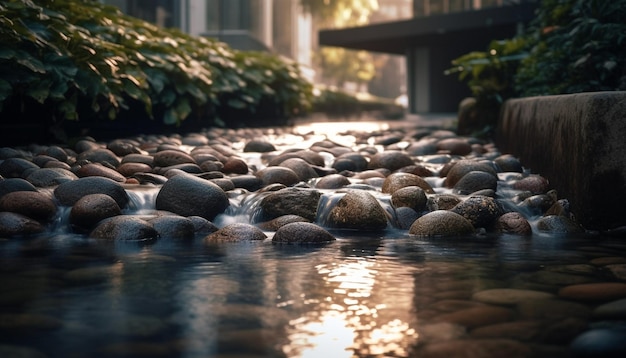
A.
pixel 139 158
pixel 13 224
pixel 202 226
pixel 396 181
pixel 99 155
pixel 558 225
pixel 260 146
pixel 32 204
pixel 86 144
pixel 302 233
pixel 173 227
pixel 509 163
pixel 477 316
pixel 97 170
pixel 235 166
pixel 405 217
pixel 187 195
pixel 303 170
pixel 212 166
pixel 130 169
pixel 537 204
pixel 442 202
pixel 459 169
pixel 281 221
pixel 475 181
pixel 357 209
pixel 441 223
pixel 358 162
pixel 248 182
pixel 454 146
pixel 422 147
pixel 195 140
pixel 124 228
pixel 413 197
pixel 418 170
pixel 15 184
pixel 149 178
pixel 391 160
pixel 481 211
pixel 594 292
pixel 618 270
pixel 301 202
pixel 16 167
pixel 122 147
pixel 235 233
pixel 271 175
pixel 69 193
pixel 332 181
pixel 601 342
pixel 536 184
pixel 169 157
pixel 47 177
pixel 224 183
pixel 91 209
pixel 509 296
pixel 190 168
pixel 513 223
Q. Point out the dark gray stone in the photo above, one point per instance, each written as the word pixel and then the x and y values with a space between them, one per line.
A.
pixel 187 195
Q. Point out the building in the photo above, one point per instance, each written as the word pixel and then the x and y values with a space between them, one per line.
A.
pixel 278 26
pixel 438 32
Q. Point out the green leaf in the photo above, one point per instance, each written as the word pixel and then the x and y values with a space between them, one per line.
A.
pixel 40 91
pixel 170 117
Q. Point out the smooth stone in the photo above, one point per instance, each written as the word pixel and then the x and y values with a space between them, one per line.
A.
pixel 359 210
pixel 13 224
pixel 32 204
pixel 302 233
pixel 475 181
pixel 441 223
pixel 481 211
pixel 10 185
pixel 138 159
pixel 418 170
pixel 99 155
pixel 303 170
pixel 442 202
pixel 98 170
pixel 552 309
pixel 477 316
pixel 513 223
pixel 405 217
pixel 332 181
pixel 195 140
pixel 454 146
pixel 599 261
pixel 122 147
pixel 235 166
pixel 422 148
pixel 248 182
pixel 166 158
pixel 91 209
pixel 413 197
pixel 459 169
pixel 604 342
pixel 16 167
pixel 47 177
pixel 130 169
pixel 391 160
pixel 509 296
pixel 281 221
pixel 359 162
pixel 259 146
pixel 173 227
pixel 594 292
pixel 396 181
pixel 309 156
pixel 611 310
pixel 558 225
pixel 70 192
pixel 224 183
pixel 124 228
pixel 536 184
pixel 202 226
pixel 509 163
pixel 281 175
pixel 187 195
pixel 235 233
pixel 296 201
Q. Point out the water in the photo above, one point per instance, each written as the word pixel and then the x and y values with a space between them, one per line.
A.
pixel 381 294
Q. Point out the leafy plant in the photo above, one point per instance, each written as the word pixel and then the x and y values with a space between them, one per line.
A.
pixel 66 60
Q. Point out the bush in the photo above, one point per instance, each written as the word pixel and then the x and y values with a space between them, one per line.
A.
pixel 337 103
pixel 68 60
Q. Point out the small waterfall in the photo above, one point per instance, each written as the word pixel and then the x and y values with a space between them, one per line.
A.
pixel 326 203
pixel 142 199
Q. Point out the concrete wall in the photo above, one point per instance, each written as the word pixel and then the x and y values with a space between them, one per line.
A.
pixel 578 142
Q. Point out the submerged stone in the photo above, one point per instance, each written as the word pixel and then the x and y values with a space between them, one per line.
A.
pixel 302 233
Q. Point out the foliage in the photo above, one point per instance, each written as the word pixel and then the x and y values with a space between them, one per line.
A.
pixel 334 102
pixel 74 59
pixel 576 46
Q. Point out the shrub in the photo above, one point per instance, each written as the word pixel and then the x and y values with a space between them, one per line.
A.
pixel 68 60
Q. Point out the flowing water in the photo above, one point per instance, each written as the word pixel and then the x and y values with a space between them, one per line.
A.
pixel 379 294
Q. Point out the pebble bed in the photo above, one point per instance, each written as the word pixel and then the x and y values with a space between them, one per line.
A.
pixel 298 187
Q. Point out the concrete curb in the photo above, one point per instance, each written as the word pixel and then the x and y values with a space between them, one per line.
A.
pixel 578 142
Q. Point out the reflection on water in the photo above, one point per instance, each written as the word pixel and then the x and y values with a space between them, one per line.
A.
pixel 357 297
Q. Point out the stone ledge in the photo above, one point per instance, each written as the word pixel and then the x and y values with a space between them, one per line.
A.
pixel 578 142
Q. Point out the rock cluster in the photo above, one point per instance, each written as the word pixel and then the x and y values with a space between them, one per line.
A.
pixel 430 183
